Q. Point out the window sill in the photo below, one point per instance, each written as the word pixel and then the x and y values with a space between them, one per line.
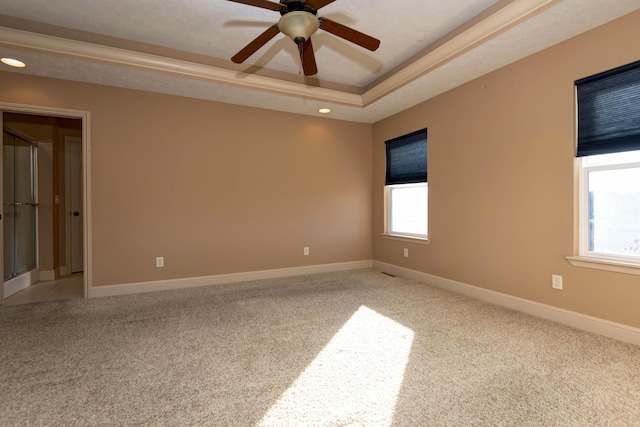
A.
pixel 403 238
pixel 607 265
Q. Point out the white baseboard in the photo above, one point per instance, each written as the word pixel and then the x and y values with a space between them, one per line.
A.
pixel 577 320
pixel 192 282
pixel 46 275
pixel 21 282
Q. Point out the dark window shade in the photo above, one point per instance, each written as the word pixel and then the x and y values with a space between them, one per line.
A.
pixel 609 111
pixel 407 159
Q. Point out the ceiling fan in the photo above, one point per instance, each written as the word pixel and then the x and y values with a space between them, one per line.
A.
pixel 299 21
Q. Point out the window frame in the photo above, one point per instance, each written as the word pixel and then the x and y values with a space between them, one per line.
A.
pixel 583 211
pixel 396 176
pixel 397 235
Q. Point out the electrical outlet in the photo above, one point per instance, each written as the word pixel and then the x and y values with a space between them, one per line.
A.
pixel 406 253
pixel 160 261
pixel 306 251
pixel 556 281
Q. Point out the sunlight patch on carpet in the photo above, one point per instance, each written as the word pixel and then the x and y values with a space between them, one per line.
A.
pixel 355 379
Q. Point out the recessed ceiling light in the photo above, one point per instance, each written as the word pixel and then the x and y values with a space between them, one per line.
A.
pixel 13 62
pixel 324 110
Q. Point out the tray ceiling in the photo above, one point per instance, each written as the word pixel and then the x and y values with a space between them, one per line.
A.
pixel 183 48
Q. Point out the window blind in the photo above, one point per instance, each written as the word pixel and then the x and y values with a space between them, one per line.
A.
pixel 407 159
pixel 609 111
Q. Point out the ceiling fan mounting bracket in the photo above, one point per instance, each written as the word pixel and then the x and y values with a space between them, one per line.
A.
pixel 296 6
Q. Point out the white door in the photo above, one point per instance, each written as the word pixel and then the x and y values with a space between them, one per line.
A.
pixel 74 185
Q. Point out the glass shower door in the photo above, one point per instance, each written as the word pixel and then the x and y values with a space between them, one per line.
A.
pixel 19 205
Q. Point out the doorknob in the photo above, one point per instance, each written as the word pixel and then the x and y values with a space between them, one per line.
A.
pixel 76 213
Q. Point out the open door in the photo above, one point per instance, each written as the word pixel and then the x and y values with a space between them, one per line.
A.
pixel 75 216
pixel 1 225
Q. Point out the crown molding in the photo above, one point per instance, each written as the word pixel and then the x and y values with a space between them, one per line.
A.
pixel 46 44
pixel 490 24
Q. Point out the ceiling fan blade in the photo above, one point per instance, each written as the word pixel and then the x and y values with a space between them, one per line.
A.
pixel 317 4
pixel 261 3
pixel 349 34
pixel 253 47
pixel 308 58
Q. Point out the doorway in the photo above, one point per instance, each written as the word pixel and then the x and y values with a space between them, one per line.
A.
pixel 55 179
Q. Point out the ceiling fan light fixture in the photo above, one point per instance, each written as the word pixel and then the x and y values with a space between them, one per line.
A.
pixel 299 25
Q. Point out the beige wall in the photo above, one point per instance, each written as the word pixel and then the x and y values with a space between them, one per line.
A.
pixel 213 188
pixel 501 179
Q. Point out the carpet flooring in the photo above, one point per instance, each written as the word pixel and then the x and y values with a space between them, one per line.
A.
pixel 356 348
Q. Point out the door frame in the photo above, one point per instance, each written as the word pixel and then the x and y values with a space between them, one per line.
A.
pixel 86 176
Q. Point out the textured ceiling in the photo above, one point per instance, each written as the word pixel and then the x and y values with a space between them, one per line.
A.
pixel 183 47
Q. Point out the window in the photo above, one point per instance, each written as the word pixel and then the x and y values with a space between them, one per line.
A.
pixel 406 186
pixel 609 148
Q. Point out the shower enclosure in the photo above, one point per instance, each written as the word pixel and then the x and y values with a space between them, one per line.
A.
pixel 19 206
